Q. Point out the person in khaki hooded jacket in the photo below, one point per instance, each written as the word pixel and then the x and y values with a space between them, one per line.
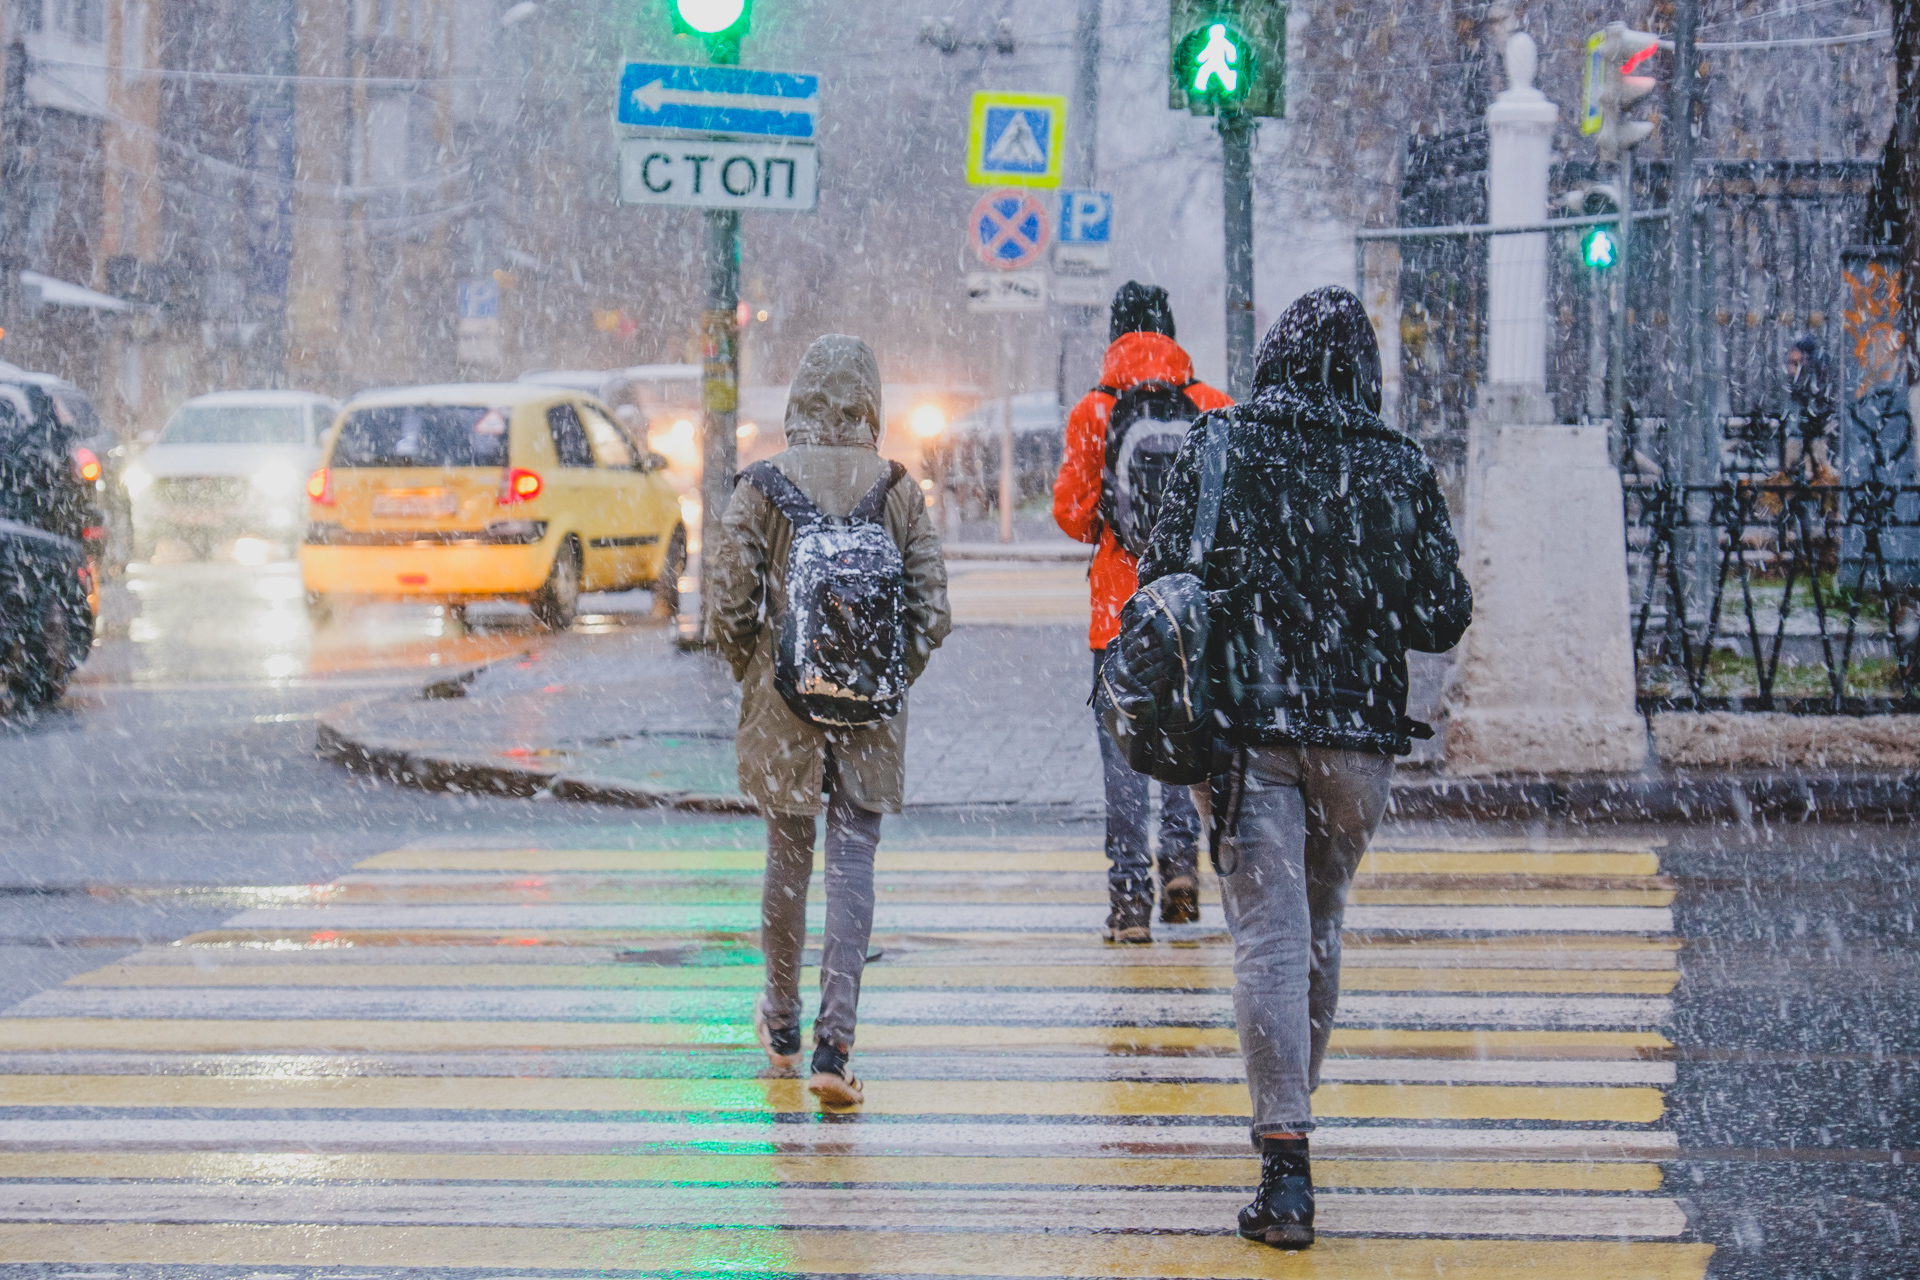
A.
pixel 795 769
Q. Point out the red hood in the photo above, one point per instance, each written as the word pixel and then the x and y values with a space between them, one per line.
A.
pixel 1145 357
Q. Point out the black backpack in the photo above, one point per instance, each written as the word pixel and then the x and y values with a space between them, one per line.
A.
pixel 840 660
pixel 1154 691
pixel 1145 429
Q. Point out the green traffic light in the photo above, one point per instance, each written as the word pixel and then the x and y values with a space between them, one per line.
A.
pixel 1598 249
pixel 709 17
pixel 1215 63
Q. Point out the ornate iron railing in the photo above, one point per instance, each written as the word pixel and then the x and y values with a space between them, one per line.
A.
pixel 1777 596
pixel 1793 583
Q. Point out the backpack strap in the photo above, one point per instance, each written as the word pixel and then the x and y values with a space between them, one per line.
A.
pixel 1213 483
pixel 783 494
pixel 868 510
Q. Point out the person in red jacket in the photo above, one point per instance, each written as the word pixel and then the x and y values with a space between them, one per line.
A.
pixel 1142 350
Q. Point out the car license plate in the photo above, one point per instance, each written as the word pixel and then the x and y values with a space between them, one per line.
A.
pixel 414 502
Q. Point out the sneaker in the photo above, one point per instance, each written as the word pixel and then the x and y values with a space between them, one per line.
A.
pixel 1180 899
pixel 1282 1210
pixel 781 1043
pixel 832 1081
pixel 1131 916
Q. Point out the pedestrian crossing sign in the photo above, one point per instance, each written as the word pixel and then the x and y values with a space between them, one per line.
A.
pixel 1015 139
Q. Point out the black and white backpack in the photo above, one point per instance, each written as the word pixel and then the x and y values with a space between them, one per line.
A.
pixel 840 660
pixel 1145 429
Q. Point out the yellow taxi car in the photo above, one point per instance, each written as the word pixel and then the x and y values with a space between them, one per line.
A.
pixel 487 491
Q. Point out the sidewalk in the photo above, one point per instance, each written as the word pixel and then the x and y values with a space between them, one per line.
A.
pixel 1000 719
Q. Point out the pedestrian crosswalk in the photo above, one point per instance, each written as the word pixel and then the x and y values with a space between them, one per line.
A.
pixel 541 1060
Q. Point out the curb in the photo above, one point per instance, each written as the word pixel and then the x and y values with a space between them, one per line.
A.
pixel 1678 795
pixel 430 769
pixel 1019 552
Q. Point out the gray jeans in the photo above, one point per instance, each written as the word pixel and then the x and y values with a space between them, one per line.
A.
pixel 853 834
pixel 1129 863
pixel 1287 865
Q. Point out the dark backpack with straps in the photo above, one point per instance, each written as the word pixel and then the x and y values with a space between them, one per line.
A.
pixel 1145 429
pixel 1154 692
pixel 840 659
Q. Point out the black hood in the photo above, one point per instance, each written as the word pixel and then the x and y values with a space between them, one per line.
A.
pixel 1140 308
pixel 1324 340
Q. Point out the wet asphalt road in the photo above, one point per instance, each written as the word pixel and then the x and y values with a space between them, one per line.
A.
pixel 180 775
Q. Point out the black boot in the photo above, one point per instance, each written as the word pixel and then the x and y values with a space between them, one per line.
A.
pixel 1282 1210
pixel 1179 894
pixel 1130 918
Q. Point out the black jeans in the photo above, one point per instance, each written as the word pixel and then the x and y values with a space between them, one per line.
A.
pixel 1129 865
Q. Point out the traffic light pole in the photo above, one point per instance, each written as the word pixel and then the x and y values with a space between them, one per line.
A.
pixel 1694 435
pixel 719 376
pixel 1082 338
pixel 1236 183
pixel 1622 273
pixel 719 388
pixel 1692 432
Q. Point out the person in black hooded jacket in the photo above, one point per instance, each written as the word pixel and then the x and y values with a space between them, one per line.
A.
pixel 1334 555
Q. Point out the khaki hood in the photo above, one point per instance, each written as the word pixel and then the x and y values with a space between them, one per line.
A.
pixel 835 397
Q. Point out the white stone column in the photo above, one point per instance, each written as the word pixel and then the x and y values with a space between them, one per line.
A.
pixel 1544 682
pixel 1520 139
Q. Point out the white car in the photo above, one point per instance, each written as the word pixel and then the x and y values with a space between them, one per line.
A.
pixel 226 465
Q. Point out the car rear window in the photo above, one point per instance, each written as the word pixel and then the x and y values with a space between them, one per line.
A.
pixel 419 435
pixel 237 424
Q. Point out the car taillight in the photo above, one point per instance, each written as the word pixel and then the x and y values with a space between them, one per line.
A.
pixel 89 465
pixel 517 485
pixel 320 486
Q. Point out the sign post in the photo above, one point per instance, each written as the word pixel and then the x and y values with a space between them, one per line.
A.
pixel 1013 141
pixel 722 138
pixel 479 335
pixel 1009 230
pixel 1081 259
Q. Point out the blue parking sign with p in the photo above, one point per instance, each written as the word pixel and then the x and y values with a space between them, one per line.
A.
pixel 1086 217
pixel 479 299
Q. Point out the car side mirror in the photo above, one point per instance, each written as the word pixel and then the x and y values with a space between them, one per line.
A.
pixel 653 461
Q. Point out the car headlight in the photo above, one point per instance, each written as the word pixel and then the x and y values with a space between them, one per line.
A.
pixel 137 479
pixel 276 477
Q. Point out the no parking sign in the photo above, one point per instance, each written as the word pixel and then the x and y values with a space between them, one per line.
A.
pixel 1009 229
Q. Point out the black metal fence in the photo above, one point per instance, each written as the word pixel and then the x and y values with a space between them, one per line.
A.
pixel 1791 585
pixel 1772 236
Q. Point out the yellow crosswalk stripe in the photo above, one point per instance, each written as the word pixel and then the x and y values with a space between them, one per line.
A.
pixel 1067 1171
pixel 1391 862
pixel 945 1253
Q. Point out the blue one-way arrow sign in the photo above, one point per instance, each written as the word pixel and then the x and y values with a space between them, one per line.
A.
pixel 736 100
